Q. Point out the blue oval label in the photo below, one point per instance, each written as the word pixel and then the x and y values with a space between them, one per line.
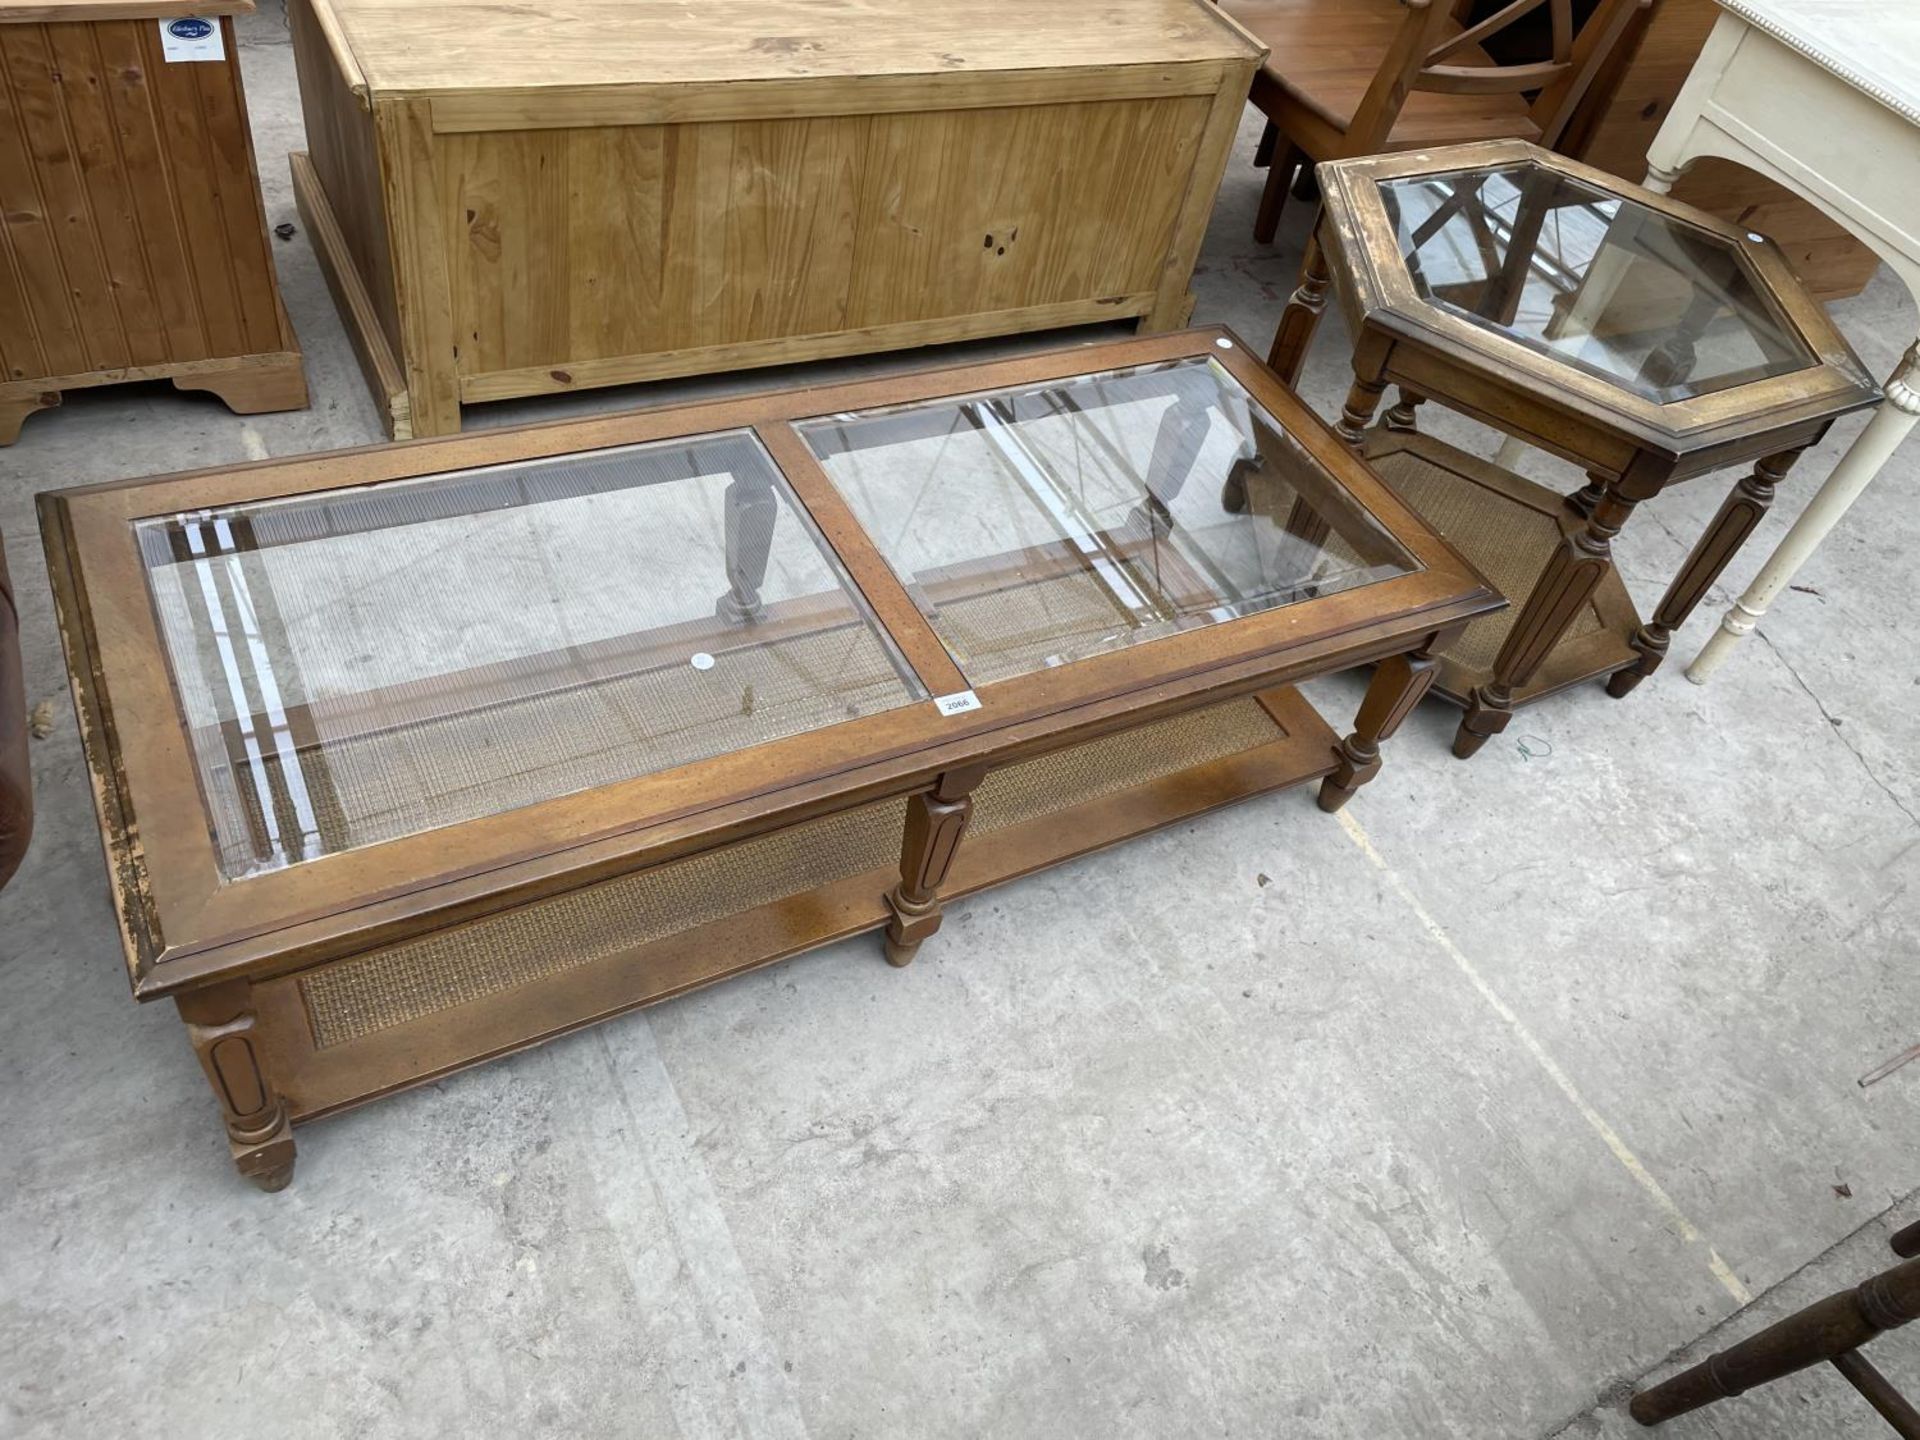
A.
pixel 191 28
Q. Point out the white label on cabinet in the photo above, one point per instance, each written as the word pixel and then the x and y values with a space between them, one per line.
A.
pixel 189 37
pixel 957 703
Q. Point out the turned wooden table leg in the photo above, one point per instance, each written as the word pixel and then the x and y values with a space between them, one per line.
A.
pixel 1582 501
pixel 1828 1330
pixel 1738 516
pixel 1399 683
pixel 220 1023
pixel 1572 574
pixel 1301 317
pixel 936 820
pixel 751 510
pixel 1871 449
pixel 1363 398
pixel 1400 415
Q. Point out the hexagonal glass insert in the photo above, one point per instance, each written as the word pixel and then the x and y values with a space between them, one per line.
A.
pixel 1603 283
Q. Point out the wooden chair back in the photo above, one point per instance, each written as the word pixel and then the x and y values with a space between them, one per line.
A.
pixel 1420 55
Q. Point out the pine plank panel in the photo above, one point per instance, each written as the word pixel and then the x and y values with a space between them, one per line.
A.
pixel 47 219
pixel 114 223
pixel 428 46
pixel 150 193
pixel 738 181
pixel 88 11
pixel 47 106
pixel 962 218
pixel 19 343
pixel 790 219
pixel 244 249
pixel 345 155
pixel 132 238
pixel 188 161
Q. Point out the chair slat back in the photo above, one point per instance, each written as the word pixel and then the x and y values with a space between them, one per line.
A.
pixel 1417 61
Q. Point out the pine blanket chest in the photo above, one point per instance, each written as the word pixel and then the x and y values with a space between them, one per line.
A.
pixel 514 201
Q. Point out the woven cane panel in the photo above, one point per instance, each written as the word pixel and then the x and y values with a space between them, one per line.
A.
pixel 1027 626
pixel 1117 762
pixel 355 998
pixel 1509 542
pixel 1016 630
pixel 404 982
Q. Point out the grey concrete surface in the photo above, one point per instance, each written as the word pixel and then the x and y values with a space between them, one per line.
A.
pixel 1455 1118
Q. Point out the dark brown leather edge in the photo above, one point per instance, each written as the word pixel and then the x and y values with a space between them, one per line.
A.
pixel 16 775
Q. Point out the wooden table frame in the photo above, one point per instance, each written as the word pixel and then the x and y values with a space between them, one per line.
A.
pixel 230 952
pixel 1849 145
pixel 1630 446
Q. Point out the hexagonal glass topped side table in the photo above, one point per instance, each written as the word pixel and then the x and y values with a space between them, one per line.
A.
pixel 1640 339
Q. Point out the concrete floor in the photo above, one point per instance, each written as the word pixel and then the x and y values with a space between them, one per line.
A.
pixel 1454 1119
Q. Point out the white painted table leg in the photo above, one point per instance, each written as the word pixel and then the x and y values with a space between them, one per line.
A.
pixel 1876 444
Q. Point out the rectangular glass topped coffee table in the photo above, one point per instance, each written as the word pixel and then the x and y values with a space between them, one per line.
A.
pixel 409 757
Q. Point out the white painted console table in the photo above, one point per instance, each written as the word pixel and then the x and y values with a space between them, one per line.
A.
pixel 1824 97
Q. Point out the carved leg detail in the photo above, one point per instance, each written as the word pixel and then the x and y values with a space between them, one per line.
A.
pixel 750 512
pixel 1572 574
pixel 1582 501
pixel 1743 510
pixel 1661 180
pixel 1301 317
pixel 936 821
pixel 1830 1329
pixel 1871 449
pixel 1362 400
pixel 220 1023
pixel 1400 416
pixel 1398 685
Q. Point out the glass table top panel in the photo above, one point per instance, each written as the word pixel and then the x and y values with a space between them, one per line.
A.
pixel 1600 282
pixel 1042 525
pixel 366 664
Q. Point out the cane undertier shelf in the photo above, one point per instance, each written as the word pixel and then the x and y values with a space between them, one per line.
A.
pixel 1509 528
pixel 411 757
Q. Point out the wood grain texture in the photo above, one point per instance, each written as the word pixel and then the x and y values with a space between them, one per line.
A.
pixel 344 153
pixel 161 847
pixel 515 241
pixel 37 12
pixel 427 46
pixel 321 1081
pixel 358 311
pixel 1831 262
pixel 133 242
pixel 593 243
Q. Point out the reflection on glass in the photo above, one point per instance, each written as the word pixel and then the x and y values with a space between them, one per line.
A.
pixel 365 664
pixel 1619 290
pixel 1042 525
